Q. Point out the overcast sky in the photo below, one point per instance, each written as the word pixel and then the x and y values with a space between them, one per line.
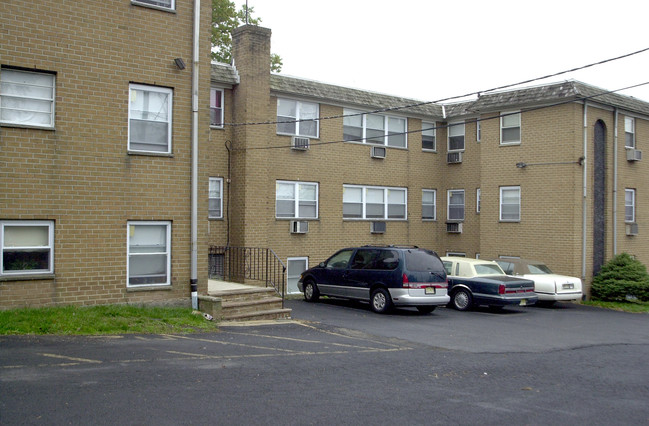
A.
pixel 432 50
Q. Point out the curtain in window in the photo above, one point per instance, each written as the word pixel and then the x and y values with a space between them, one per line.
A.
pixel 285 200
pixel 352 126
pixel 510 204
pixel 396 204
pixel 148 254
pixel 352 202
pixel 456 136
pixel 26 98
pixel 307 201
pixel 456 205
pixel 396 132
pixel 375 132
pixel 308 111
pixel 149 120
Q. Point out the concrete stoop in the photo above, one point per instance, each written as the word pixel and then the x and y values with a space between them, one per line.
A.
pixel 243 304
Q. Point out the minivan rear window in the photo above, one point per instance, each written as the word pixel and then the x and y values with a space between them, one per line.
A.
pixel 423 261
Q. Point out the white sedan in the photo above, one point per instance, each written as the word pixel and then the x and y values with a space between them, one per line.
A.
pixel 550 287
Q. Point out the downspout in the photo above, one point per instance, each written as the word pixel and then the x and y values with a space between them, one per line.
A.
pixel 584 194
pixel 194 200
pixel 615 120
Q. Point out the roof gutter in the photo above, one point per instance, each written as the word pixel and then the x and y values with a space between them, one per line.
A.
pixel 193 282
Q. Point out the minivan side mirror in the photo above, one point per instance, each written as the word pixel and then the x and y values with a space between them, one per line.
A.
pixel 322 264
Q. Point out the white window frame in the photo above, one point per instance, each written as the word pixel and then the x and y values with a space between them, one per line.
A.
pixel 25 104
pixel 386 202
pixel 504 189
pixel 434 203
pixel 505 116
pixel 131 225
pixel 629 132
pixel 629 203
pixel 294 278
pixel 297 201
pixel 215 181
pixel 156 4
pixel 428 128
pixel 477 200
pixel 299 106
pixel 216 93
pixel 387 132
pixel 455 254
pixel 26 223
pixel 133 90
pixel 458 128
pixel 450 193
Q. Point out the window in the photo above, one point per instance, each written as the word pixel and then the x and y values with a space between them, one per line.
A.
pixel 455 207
pixel 149 119
pixel 477 200
pixel 456 136
pixel 27 247
pixel 510 203
pixel 374 202
pixel 629 205
pixel 26 98
pixel 215 208
pixel 294 268
pixel 165 4
pixel 289 114
pixel 428 136
pixel 216 107
pixel 478 130
pixel 149 253
pixel 296 200
pixel 510 128
pixel 374 128
pixel 428 201
pixel 629 132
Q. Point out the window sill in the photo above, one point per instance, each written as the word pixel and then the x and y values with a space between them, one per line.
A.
pixel 432 151
pixel 213 127
pixel 150 154
pixel 27 126
pixel 403 148
pixel 215 218
pixel 510 144
pixel 360 219
pixel 27 277
pixel 135 289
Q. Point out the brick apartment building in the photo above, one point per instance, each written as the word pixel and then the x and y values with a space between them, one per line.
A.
pixel 96 148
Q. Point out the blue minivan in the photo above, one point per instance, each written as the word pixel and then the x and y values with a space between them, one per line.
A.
pixel 384 276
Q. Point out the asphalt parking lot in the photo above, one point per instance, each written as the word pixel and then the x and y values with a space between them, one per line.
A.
pixel 339 363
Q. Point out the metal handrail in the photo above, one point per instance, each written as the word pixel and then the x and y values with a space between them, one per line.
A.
pixel 239 264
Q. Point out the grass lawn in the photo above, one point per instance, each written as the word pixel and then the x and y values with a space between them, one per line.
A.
pixel 107 319
pixel 634 307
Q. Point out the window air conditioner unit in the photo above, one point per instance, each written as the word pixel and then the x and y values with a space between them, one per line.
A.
pixel 378 152
pixel 454 227
pixel 454 157
pixel 300 143
pixel 633 154
pixel 632 229
pixel 299 227
pixel 377 227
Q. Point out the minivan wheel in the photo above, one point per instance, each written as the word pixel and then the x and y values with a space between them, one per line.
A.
pixel 311 292
pixel 381 302
pixel 462 300
pixel 426 309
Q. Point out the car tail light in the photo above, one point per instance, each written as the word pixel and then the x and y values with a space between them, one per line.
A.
pixel 501 289
pixel 406 282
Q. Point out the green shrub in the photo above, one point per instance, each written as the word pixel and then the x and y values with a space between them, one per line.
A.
pixel 622 278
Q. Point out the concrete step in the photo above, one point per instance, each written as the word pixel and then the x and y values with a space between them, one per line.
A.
pixel 244 304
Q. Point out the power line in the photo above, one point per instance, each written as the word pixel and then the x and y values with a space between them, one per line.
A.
pixel 443 99
pixel 446 126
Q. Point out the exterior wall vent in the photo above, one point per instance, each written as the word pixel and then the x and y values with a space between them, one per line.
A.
pixel 300 143
pixel 299 227
pixel 454 157
pixel 377 227
pixel 378 152
pixel 454 227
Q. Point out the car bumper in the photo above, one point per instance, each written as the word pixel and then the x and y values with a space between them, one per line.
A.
pixel 491 300
pixel 559 296
pixel 405 297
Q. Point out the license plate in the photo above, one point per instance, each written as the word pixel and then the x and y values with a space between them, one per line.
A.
pixel 568 286
pixel 523 302
pixel 430 290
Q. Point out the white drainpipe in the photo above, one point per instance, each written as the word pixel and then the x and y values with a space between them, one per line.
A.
pixel 584 194
pixel 615 120
pixel 194 197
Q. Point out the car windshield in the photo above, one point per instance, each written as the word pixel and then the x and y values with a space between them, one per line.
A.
pixel 488 269
pixel 539 268
pixel 340 260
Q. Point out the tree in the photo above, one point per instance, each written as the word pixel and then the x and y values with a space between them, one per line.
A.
pixel 620 279
pixel 225 18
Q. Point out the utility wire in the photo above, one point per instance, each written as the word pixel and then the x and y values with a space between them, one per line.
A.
pixel 443 99
pixel 446 126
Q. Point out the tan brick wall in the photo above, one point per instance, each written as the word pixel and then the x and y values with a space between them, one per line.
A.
pixel 80 175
